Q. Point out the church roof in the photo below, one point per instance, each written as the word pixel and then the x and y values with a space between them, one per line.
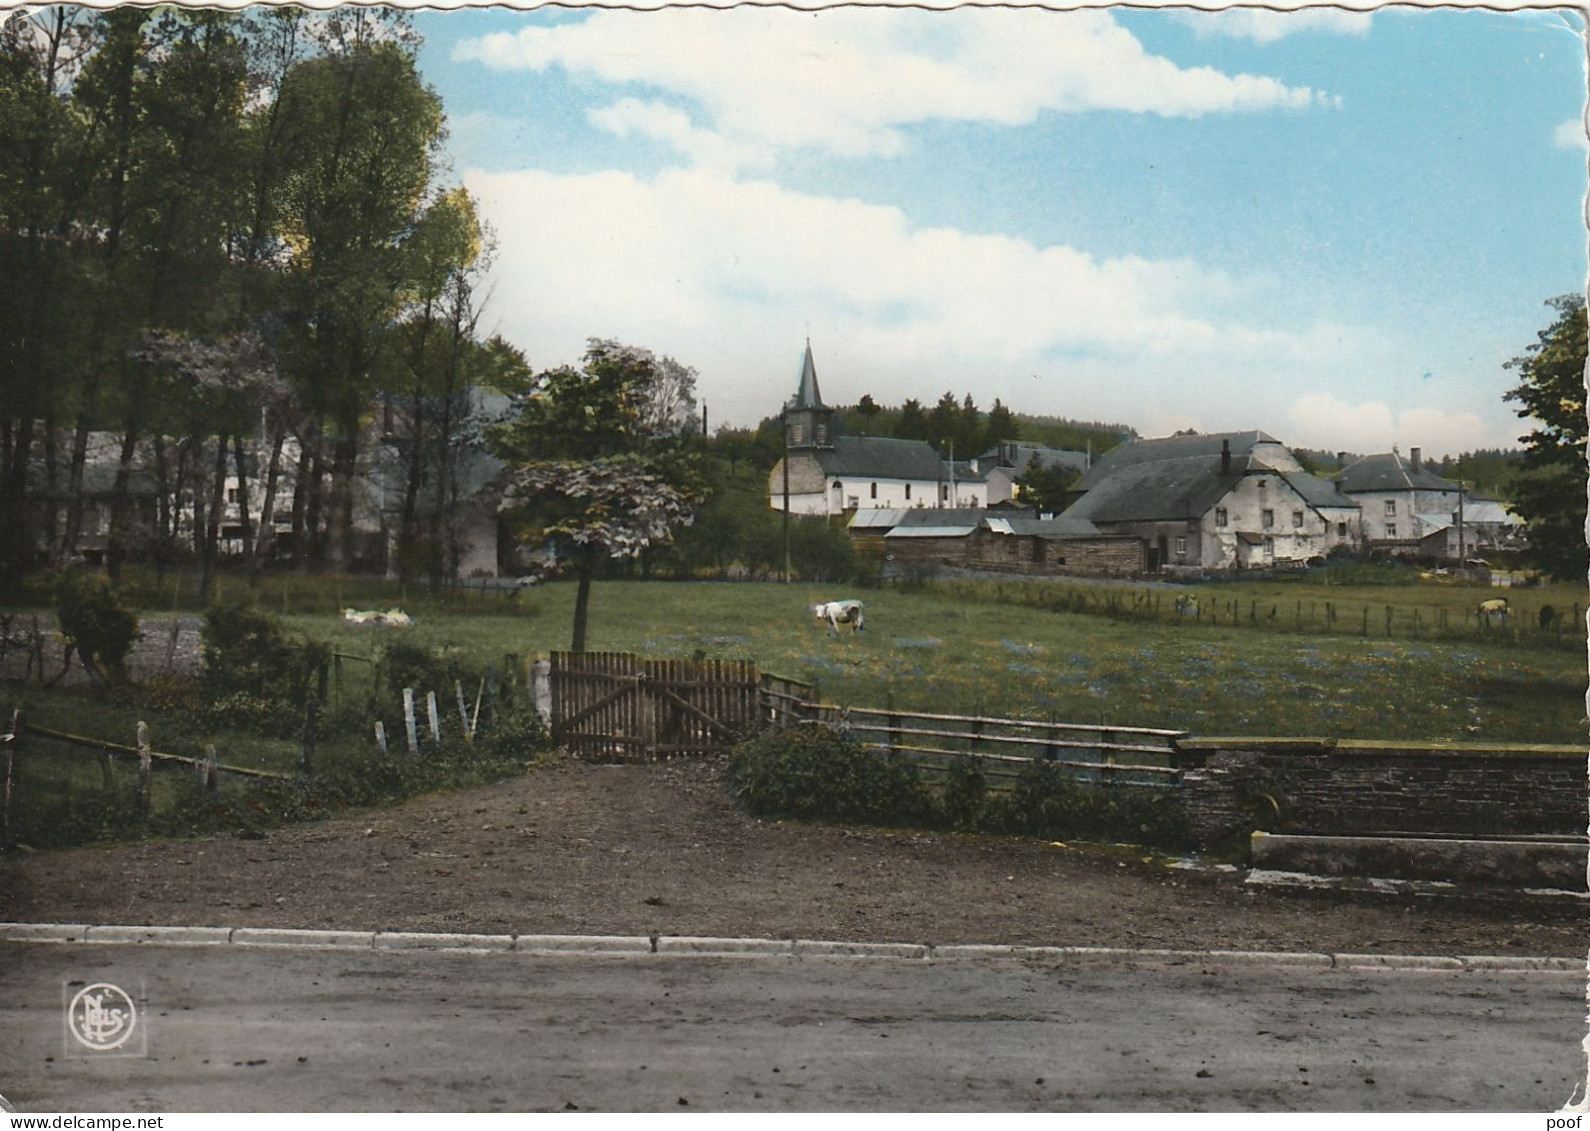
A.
pixel 808 395
pixel 876 457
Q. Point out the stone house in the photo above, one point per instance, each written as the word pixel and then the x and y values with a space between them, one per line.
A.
pixel 1235 500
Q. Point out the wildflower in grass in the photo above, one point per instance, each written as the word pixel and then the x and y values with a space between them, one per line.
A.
pixel 1022 649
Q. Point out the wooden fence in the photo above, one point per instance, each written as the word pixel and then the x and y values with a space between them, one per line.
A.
pixel 209 770
pixel 1002 747
pixel 614 706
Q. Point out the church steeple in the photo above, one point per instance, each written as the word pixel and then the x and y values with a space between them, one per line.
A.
pixel 808 423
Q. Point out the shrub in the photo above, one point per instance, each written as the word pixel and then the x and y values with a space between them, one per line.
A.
pixel 1047 801
pixel 816 771
pixel 94 622
pixel 247 652
pixel 965 790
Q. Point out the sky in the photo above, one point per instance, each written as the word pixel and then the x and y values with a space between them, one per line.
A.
pixel 1335 227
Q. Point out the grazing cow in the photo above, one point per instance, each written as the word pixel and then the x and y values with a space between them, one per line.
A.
pixel 1495 610
pixel 837 613
pixel 1187 606
pixel 391 616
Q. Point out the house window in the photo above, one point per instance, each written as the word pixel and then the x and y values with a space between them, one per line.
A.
pixel 1297 518
pixel 231 495
pixel 1220 516
pixel 1391 507
pixel 944 492
pixel 1391 530
pixel 1181 547
pixel 1267 519
pixel 908 491
pixel 874 490
pixel 1341 530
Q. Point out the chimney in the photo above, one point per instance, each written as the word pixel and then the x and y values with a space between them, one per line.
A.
pixel 1413 456
pixel 1225 457
pixel 1341 460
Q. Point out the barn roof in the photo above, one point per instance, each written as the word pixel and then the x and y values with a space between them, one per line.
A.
pixel 1389 471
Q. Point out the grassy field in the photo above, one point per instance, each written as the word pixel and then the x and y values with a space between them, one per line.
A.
pixel 973 651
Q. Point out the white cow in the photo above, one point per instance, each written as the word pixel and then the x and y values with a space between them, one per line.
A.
pixel 837 613
pixel 391 616
pixel 1495 610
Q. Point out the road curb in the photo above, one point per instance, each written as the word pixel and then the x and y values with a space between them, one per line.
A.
pixel 684 946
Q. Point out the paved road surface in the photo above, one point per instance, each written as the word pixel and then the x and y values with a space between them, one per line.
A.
pixel 265 1028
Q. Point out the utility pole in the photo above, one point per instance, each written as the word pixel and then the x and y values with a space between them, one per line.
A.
pixel 1463 557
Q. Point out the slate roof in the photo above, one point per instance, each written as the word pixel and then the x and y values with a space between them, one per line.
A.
pixel 1179 478
pixel 1389 471
pixel 1317 492
pixel 1062 526
pixel 1177 448
pixel 1023 453
pixel 807 394
pixel 1157 490
pixel 876 457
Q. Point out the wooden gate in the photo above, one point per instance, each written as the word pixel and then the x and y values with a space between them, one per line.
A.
pixel 617 707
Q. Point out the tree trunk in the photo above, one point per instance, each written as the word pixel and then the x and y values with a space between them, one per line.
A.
pixel 301 503
pixel 582 598
pixel 265 541
pixel 212 530
pixel 74 485
pixel 13 508
pixel 244 527
pixel 114 550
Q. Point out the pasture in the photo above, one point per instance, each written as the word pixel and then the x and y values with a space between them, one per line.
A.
pixel 970 648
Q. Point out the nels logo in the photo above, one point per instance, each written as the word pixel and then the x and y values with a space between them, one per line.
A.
pixel 101 1017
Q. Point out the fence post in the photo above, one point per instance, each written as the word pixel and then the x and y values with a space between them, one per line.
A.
pixel 12 741
pixel 210 781
pixel 380 737
pixel 408 722
pixel 145 760
pixel 306 760
pixel 541 688
pixel 434 717
pixel 463 710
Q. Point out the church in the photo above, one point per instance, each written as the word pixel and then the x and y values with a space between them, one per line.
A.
pixel 824 472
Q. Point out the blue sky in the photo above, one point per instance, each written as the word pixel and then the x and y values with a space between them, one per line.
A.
pixel 1332 226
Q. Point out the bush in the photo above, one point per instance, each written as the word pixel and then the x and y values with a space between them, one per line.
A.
pixel 1047 801
pixel 965 790
pixel 94 622
pixel 246 652
pixel 816 771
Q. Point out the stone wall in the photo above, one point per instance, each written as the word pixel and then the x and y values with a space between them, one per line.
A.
pixel 1232 787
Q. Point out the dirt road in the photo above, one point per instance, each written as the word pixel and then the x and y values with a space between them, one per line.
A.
pixel 584 849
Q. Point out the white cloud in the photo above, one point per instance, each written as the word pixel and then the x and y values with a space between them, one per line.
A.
pixel 849 81
pixel 1263 25
pixel 1321 420
pixel 729 275
pixel 1571 135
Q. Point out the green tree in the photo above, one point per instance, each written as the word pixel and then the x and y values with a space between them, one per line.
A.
pixel 602 466
pixel 1550 495
pixel 1045 486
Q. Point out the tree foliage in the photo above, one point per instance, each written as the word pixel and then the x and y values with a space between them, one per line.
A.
pixel 1550 495
pixel 601 464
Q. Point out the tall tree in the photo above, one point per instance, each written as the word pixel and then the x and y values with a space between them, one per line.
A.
pixel 1551 493
pixel 360 144
pixel 597 466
